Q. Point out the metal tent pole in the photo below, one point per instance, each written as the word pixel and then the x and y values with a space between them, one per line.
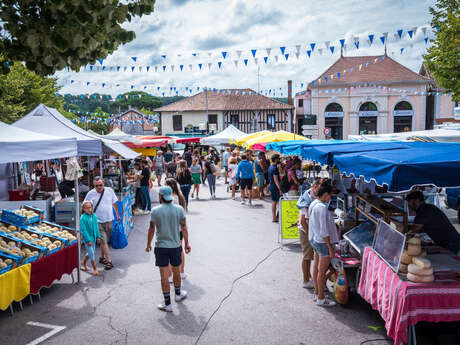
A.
pixel 77 224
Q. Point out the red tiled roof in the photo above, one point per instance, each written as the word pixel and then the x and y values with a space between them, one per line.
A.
pixel 236 99
pixel 383 70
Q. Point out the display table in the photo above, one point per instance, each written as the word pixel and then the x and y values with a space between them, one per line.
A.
pixel 401 303
pixel 14 286
pixel 50 268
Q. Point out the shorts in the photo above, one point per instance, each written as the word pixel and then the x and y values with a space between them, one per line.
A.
pixel 307 250
pixel 196 178
pixel 320 248
pixel 158 171
pixel 166 256
pixel 106 232
pixel 275 193
pixel 91 250
pixel 246 182
pixel 260 179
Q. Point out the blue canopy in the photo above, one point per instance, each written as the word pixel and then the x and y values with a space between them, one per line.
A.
pixel 294 147
pixel 419 163
pixel 324 153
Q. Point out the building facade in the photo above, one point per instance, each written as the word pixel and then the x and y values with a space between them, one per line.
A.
pixel 133 122
pixel 212 111
pixel 367 95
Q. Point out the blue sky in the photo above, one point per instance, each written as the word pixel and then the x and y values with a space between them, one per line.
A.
pixel 180 28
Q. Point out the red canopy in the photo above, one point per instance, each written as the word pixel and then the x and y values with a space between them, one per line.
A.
pixel 150 141
pixel 259 147
pixel 187 140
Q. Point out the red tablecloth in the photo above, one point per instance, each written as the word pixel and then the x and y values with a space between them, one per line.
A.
pixel 50 268
pixel 402 303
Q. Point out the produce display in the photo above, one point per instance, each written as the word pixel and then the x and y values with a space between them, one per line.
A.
pixel 5 263
pixel 7 228
pixel 55 230
pixel 26 213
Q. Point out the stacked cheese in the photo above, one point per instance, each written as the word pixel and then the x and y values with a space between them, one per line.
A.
pixel 420 271
pixel 414 249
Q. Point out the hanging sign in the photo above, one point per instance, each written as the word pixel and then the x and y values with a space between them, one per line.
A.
pixel 333 114
pixel 368 113
pixel 403 112
pixel 289 217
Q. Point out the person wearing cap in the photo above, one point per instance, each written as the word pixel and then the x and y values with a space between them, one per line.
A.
pixel 432 221
pixel 168 220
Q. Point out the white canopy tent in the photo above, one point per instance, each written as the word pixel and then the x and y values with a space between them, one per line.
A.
pixel 20 145
pixel 437 135
pixel 223 137
pixel 118 134
pixel 49 121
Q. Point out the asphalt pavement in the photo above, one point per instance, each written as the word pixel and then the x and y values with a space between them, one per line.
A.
pixel 267 306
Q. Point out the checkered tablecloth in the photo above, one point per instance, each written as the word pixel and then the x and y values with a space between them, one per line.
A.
pixel 402 303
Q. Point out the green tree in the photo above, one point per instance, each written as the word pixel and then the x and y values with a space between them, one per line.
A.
pixel 51 35
pixel 21 90
pixel 443 58
pixel 135 99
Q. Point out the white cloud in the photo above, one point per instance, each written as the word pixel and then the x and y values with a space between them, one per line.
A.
pixel 179 28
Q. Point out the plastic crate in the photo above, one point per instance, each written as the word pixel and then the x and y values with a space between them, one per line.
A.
pixel 54 250
pixel 13 218
pixel 16 258
pixel 64 212
pixel 37 218
pixel 48 183
pixel 6 269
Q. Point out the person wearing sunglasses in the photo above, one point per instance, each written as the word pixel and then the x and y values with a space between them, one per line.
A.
pixel 104 201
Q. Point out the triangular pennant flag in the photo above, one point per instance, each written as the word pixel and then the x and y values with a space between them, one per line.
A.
pixel 411 33
pixel 164 68
pixel 266 59
pixel 426 40
pixel 148 67
pixel 224 54
pixel 312 46
pixel 286 56
pixel 200 65
pixel 238 53
pixel 190 66
pixel 382 38
pixel 172 68
pixel 91 68
pixel 245 61
pixel 297 48
pixel 256 60
pixel 309 53
pixel 297 55
pixel 276 58
pixel 209 65
pixel 268 51
pixel 132 87
pixel 424 31
pixel 402 49
pixel 236 63
pixel 332 49
pixel 338 75
pixel 181 67
pixel 282 50
pixel 219 64
pixel 101 61
pixel 209 54
pixel 132 68
pixel 118 68
pixel 103 84
pixel 194 54
pixel 320 51
pixel 163 56
pixel 140 68
pixel 357 45
pixel 134 58
pixel 400 32
pixel 253 51
pixel 371 38
pixel 156 68
pixel 327 44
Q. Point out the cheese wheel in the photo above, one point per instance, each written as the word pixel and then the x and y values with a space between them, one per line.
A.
pixel 419 271
pixel 415 240
pixel 420 279
pixel 406 258
pixel 403 268
pixel 414 250
pixel 421 262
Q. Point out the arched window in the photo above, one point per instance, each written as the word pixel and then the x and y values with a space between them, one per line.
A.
pixel 368 118
pixel 333 119
pixel 402 114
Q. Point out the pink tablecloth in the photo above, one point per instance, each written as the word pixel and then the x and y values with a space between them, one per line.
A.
pixel 402 303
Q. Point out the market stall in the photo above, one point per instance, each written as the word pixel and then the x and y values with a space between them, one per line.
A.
pixel 273 137
pixel 242 140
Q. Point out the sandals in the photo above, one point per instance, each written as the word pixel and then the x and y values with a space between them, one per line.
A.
pixel 108 265
pixel 103 261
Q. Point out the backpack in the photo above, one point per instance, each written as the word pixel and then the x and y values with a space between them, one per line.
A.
pixel 213 168
pixel 285 184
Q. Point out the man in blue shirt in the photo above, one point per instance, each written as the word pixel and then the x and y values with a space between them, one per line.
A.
pixel 245 174
pixel 169 221
pixel 225 158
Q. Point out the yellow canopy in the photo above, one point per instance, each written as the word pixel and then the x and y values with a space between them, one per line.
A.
pixel 241 141
pixel 272 137
pixel 145 151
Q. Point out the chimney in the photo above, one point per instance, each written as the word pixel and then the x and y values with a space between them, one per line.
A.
pixel 290 92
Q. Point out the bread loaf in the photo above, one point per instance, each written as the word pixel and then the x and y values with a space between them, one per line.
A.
pixel 419 271
pixel 403 268
pixel 420 279
pixel 414 249
pixel 406 258
pixel 421 262
pixel 415 240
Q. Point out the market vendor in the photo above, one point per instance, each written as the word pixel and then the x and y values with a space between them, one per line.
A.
pixel 432 221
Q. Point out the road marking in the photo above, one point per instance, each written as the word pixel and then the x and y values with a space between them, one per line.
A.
pixel 54 330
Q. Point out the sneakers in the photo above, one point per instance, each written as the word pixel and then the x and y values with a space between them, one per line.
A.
pixel 164 307
pixel 249 203
pixel 233 198
pixel 308 285
pixel 197 198
pixel 243 202
pixel 183 275
pixel 325 302
pixel 315 298
pixel 146 212
pixel 182 296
